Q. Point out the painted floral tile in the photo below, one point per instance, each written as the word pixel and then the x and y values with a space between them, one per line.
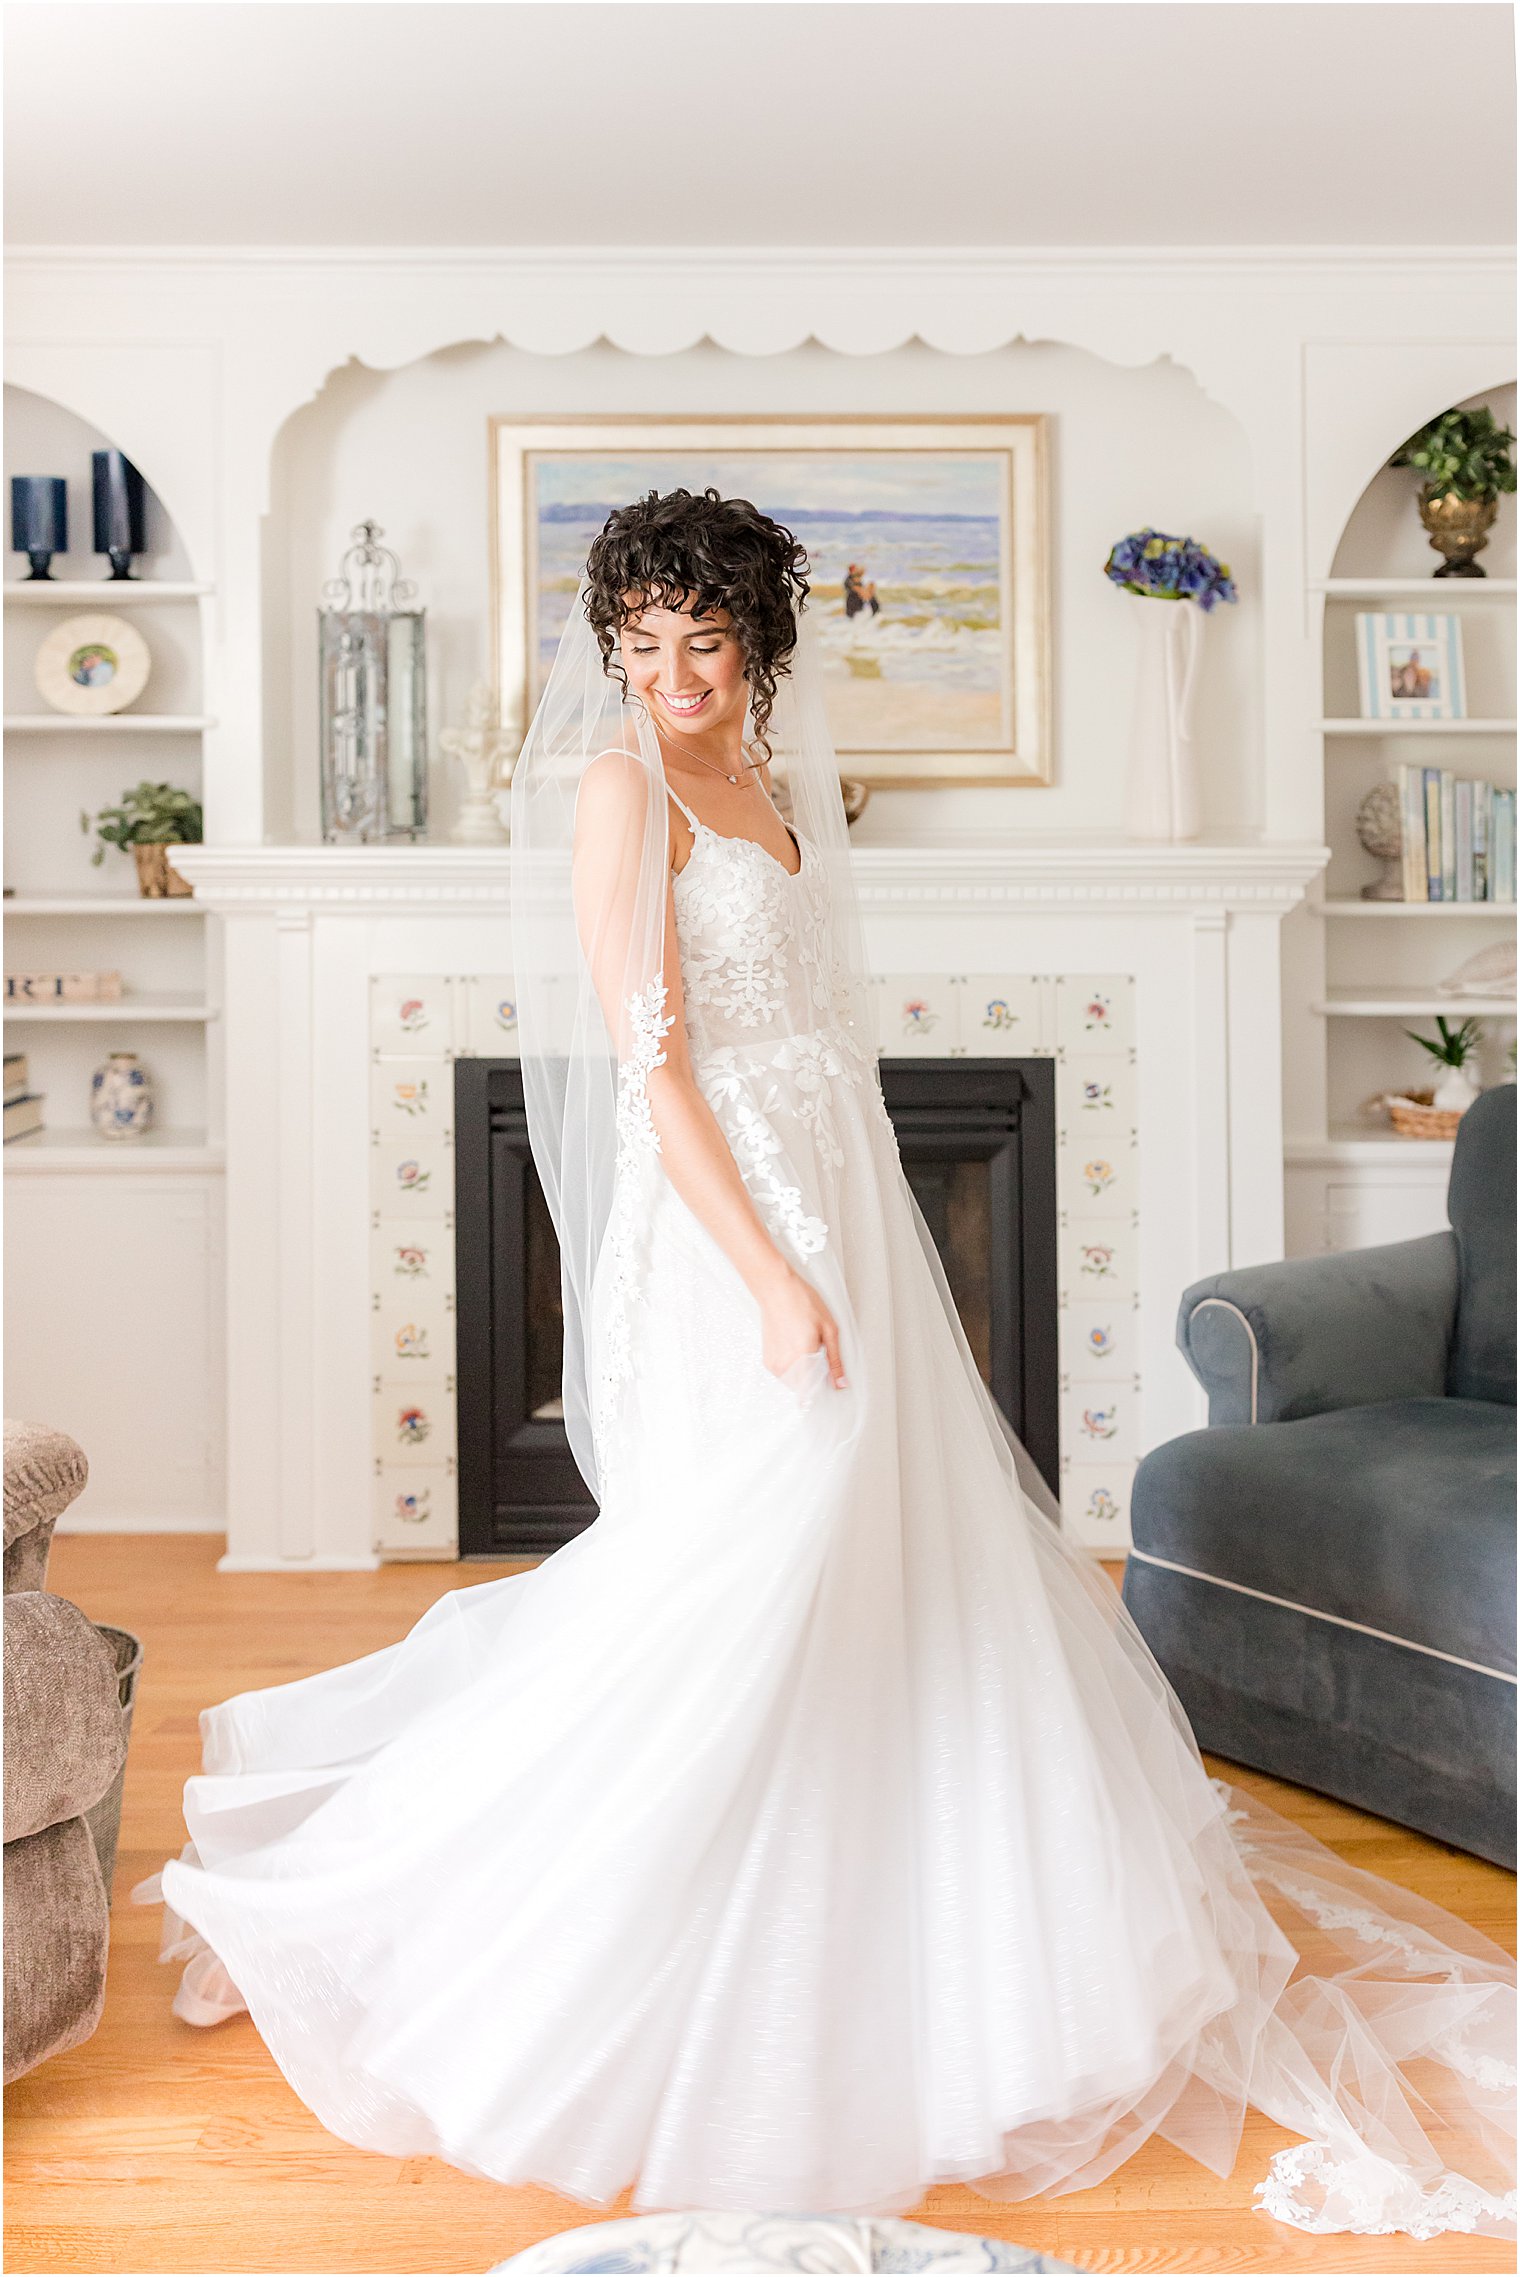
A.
pixel 1094 1098
pixel 1100 1421
pixel 412 1013
pixel 918 1013
pixel 1095 1505
pixel 416 1510
pixel 1097 1262
pixel 1097 1174
pixel 1005 1015
pixel 411 1329
pixel 1099 1340
pixel 411 1260
pixel 412 1098
pixel 412 1178
pixel 414 1420
pixel 491 1015
pixel 1095 1013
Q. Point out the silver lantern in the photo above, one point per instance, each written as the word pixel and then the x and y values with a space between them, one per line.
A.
pixel 374 698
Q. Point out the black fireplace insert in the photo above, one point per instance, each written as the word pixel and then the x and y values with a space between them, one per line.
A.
pixel 978 1144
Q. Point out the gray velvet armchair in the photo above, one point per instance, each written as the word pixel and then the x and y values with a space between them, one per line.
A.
pixel 1327 1572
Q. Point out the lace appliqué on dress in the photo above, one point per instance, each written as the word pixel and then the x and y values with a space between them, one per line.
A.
pixel 1369 2196
pixel 734 964
pixel 637 1140
pixel 1338 2181
pixel 746 1113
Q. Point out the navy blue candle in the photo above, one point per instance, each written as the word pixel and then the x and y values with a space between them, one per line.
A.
pixel 39 519
pixel 118 491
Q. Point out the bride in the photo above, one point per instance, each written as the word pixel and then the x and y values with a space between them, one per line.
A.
pixel 816 1826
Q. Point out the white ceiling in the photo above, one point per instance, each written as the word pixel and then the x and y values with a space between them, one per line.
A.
pixel 759 122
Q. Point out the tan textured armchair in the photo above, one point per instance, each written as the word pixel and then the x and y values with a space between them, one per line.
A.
pixel 65 1742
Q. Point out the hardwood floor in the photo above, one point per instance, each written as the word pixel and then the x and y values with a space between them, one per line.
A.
pixel 155 2147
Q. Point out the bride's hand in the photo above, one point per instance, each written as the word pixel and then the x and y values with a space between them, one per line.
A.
pixel 794 1322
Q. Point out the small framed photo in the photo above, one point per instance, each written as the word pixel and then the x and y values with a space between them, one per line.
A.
pixel 1409 666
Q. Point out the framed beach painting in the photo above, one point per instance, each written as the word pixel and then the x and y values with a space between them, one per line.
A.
pixel 927 543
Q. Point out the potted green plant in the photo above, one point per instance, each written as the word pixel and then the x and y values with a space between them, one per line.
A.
pixel 1465 457
pixel 1453 1049
pixel 151 818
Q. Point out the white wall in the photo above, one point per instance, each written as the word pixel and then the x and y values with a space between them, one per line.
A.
pixel 1130 447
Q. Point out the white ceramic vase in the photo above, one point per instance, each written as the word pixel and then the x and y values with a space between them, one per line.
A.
pixel 1455 1092
pixel 1161 797
pixel 121 1097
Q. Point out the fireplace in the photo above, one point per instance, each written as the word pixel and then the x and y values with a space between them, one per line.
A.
pixel 357 983
pixel 978 1142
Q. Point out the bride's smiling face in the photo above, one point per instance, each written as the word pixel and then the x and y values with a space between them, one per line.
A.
pixel 688 670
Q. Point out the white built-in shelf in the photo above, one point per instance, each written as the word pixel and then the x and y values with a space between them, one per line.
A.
pixel 1415 588
pixel 1364 1145
pixel 85 1149
pixel 1344 908
pixel 101 905
pixel 1417 726
pixel 106 723
pixel 150 1004
pixel 1412 1004
pixel 70 591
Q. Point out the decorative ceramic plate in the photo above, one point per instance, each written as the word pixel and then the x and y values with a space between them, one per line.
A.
pixel 92 664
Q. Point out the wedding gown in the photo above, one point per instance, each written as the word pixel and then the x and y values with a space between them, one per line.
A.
pixel 815 1826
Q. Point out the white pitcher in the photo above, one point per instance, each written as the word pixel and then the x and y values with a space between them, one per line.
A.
pixel 1161 797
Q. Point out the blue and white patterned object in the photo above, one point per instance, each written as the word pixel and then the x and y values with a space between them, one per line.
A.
pixel 121 1097
pixel 751 2245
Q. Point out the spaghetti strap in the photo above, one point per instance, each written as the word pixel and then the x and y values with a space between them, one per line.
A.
pixel 681 803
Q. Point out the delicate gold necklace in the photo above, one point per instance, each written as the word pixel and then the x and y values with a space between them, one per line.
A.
pixel 750 765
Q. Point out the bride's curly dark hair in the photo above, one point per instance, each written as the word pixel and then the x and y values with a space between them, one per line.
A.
pixel 710 551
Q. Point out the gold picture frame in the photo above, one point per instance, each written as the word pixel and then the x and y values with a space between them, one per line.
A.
pixel 928 541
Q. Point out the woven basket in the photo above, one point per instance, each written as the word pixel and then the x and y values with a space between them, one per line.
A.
pixel 1414 1116
pixel 104 1820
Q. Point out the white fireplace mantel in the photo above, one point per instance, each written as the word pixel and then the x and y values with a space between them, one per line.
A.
pixel 1022 874
pixel 311 932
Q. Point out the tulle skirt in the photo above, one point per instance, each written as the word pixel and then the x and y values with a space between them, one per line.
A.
pixel 817 1827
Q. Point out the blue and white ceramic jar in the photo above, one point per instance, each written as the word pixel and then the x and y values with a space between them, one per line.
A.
pixel 121 1097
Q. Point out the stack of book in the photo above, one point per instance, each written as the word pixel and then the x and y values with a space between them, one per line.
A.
pixel 1458 837
pixel 23 1106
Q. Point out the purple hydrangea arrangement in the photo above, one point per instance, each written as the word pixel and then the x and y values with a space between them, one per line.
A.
pixel 1169 569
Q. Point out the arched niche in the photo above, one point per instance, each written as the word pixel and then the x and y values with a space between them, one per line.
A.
pixel 1132 444
pixel 1383 535
pixel 50 780
pixel 43 436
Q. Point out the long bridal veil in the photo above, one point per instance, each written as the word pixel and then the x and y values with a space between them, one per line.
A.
pixel 1374 2026
pixel 595 913
pixel 390 1860
pixel 574 915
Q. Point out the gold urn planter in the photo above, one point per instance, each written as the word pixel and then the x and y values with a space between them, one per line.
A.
pixel 1458 529
pixel 157 878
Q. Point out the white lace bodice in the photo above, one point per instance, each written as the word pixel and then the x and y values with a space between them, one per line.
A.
pixel 773 1045
pixel 756 968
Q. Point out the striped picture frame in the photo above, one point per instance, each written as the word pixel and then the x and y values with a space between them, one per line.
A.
pixel 1409 665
